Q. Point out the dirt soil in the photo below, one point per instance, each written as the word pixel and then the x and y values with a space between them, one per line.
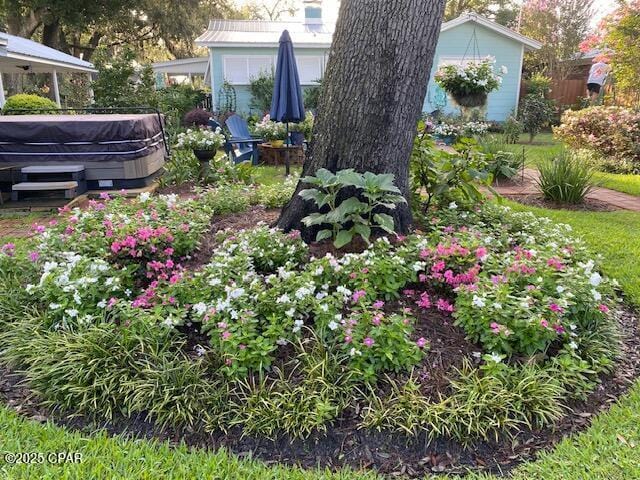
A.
pixel 589 204
pixel 344 444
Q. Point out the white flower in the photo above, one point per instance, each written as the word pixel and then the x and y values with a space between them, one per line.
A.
pixel 573 345
pixel 236 293
pixel 504 70
pixel 559 289
pixel 297 325
pixel 281 341
pixel 496 357
pixel 200 351
pixel 144 197
pixel 597 296
pixel 200 308
pixel 72 312
pixel 333 325
pixel 284 298
pixel 478 302
pixel 453 206
pixel 595 279
pixel 30 288
pixel 102 304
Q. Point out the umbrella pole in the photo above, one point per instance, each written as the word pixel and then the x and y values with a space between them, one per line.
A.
pixel 286 152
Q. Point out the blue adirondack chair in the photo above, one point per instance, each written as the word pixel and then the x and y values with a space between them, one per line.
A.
pixel 240 146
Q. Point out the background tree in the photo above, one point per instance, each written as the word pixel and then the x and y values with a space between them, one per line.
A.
pixel 502 11
pixel 561 25
pixel 617 37
pixel 372 95
pixel 269 10
pixel 79 28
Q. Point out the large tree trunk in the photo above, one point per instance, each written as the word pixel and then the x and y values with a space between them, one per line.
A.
pixel 372 95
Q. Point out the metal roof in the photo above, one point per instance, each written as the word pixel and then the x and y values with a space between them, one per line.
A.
pixel 243 33
pixel 17 53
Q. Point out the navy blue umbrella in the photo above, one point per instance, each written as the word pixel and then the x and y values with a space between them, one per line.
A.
pixel 286 104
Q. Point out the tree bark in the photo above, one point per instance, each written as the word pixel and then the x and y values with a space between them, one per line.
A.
pixel 372 95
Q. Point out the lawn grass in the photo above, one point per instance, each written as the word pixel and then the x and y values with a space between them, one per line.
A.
pixel 622 183
pixel 271 174
pixel 543 146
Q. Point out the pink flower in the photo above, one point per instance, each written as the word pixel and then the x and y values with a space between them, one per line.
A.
pixel 226 335
pixel 348 339
pixel 357 295
pixel 34 256
pixel 421 342
pixel 555 263
pixel 378 304
pixel 105 196
pixel 221 325
pixel 444 306
pixel 481 252
pixel 368 341
pixel 242 346
pixel 544 323
pixel 559 329
pixel 408 292
pixel 425 301
pixel 39 228
pixel 603 308
pixel 376 320
pixel 554 307
pixel 112 302
pixel 495 327
pixel 9 249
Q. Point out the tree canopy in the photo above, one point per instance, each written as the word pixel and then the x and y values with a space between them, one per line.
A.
pixel 79 27
pixel 501 11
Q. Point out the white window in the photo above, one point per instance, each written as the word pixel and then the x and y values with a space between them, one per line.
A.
pixel 310 68
pixel 240 69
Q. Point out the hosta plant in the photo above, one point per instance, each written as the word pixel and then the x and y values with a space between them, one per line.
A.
pixel 356 215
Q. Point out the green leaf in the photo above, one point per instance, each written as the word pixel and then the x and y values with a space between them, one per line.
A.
pixel 363 230
pixel 385 222
pixel 350 178
pixel 323 235
pixel 320 198
pixel 314 219
pixel 343 238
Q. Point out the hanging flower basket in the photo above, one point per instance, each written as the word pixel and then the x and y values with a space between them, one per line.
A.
pixel 470 100
pixel 470 84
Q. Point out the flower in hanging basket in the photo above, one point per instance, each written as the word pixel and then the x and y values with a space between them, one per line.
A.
pixel 470 84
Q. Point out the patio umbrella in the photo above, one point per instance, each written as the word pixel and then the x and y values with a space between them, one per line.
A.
pixel 286 104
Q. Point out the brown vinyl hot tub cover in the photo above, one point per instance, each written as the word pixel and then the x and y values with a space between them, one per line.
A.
pixel 79 138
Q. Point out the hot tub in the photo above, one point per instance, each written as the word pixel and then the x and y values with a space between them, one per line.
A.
pixel 117 150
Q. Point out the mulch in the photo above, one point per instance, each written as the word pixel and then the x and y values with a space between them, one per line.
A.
pixel 345 444
pixel 588 205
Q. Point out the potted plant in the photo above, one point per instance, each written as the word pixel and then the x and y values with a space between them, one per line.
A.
pixel 447 133
pixel 470 85
pixel 204 142
pixel 273 132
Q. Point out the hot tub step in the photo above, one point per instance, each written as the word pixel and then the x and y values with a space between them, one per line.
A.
pixel 53 169
pixel 70 188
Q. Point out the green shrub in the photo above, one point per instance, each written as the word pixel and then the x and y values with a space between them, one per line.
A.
pixel 535 113
pixel 563 179
pixel 501 162
pixel 261 89
pixel 24 101
pixel 512 130
pixel 612 133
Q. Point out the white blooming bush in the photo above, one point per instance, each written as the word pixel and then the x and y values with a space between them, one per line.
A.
pixel 201 139
pixel 470 84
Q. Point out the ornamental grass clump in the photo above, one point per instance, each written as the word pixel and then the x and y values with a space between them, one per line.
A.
pixel 563 179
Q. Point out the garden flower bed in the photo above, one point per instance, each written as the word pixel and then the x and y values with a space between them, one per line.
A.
pixel 485 327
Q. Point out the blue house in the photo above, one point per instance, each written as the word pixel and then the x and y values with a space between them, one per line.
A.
pixel 241 49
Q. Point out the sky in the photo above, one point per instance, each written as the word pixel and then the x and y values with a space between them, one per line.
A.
pixel 330 9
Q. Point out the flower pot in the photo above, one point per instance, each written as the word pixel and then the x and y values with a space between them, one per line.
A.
pixel 470 99
pixel 204 155
pixel 277 143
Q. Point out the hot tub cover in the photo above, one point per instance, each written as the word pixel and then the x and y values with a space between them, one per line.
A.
pixel 79 138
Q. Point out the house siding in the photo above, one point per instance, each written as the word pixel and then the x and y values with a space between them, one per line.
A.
pixel 452 43
pixel 243 96
pixel 508 52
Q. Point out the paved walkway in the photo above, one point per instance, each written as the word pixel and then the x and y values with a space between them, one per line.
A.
pixel 526 185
